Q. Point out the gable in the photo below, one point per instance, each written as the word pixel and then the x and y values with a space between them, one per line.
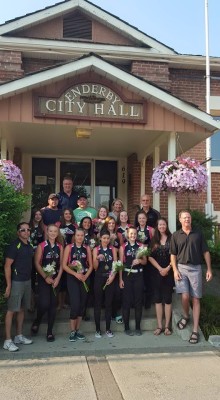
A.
pixel 75 26
pixel 110 21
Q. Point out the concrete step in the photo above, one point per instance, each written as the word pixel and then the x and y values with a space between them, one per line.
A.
pixel 62 326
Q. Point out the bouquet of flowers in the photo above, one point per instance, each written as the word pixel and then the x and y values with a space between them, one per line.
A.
pixel 181 176
pixel 50 270
pixel 143 251
pixel 140 254
pixel 12 174
pixel 92 243
pixel 116 267
pixel 77 267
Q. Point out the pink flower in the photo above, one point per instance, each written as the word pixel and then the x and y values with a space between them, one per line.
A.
pixel 181 175
pixel 12 174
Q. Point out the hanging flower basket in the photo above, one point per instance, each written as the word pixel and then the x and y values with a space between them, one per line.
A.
pixel 12 174
pixel 183 175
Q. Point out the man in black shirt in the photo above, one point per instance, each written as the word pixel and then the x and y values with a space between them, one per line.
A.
pixel 152 214
pixel 51 214
pixel 187 248
pixel 18 266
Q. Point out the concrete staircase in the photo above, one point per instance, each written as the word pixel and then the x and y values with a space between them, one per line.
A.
pixel 61 326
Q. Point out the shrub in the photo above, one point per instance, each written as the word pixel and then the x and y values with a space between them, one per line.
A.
pixel 210 315
pixel 12 205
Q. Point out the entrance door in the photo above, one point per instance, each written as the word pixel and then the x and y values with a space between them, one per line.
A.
pixel 96 178
pixel 80 172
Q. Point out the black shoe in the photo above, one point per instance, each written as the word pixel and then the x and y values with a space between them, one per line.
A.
pixel 50 338
pixel 129 332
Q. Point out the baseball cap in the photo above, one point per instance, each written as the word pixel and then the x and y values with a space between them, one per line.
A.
pixel 82 195
pixel 53 195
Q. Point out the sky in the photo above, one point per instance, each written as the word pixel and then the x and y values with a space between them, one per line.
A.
pixel 177 24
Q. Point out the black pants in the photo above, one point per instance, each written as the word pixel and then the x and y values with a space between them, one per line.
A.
pixel 77 295
pixel 47 302
pixel 100 280
pixel 132 293
pixel 117 299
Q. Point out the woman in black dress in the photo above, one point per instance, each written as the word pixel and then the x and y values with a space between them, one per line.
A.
pixel 163 277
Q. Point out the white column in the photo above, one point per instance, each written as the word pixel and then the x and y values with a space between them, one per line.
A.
pixel 172 196
pixel 156 196
pixel 143 164
pixel 3 149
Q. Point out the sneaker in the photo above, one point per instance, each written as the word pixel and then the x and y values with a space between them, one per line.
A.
pixel 79 336
pixel 21 339
pixel 72 337
pixel 129 332
pixel 9 345
pixel 109 334
pixel 98 334
pixel 119 319
pixel 138 332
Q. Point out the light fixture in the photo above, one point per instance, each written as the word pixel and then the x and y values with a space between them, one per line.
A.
pixel 83 133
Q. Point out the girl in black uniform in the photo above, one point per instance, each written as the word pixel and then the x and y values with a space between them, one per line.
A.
pixel 77 281
pixel 36 237
pixel 99 222
pixel 67 226
pixel 145 234
pixel 164 281
pixel 131 280
pixel 87 226
pixel 67 230
pixel 110 225
pixel 103 257
pixel 123 225
pixel 48 253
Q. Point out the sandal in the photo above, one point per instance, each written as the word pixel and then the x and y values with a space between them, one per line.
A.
pixel 35 327
pixel 194 338
pixel 50 338
pixel 167 331
pixel 181 324
pixel 158 331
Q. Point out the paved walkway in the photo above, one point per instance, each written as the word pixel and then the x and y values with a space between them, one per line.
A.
pixel 121 368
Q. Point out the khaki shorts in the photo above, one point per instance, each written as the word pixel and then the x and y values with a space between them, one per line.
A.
pixel 191 281
pixel 20 296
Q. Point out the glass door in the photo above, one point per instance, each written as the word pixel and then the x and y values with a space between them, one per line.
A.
pixel 80 172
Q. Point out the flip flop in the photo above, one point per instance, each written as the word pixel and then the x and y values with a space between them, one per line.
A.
pixel 194 338
pixel 158 331
pixel 167 331
pixel 181 324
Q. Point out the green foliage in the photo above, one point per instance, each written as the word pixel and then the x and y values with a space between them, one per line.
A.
pixel 210 315
pixel 12 205
pixel 214 248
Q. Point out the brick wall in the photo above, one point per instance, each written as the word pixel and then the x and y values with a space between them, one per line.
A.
pixel 157 73
pixel 31 65
pixel 134 183
pixel 10 65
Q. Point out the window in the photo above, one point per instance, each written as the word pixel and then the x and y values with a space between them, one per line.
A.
pixel 215 148
pixel 43 180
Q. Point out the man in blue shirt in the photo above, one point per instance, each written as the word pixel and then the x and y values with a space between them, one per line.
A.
pixel 67 197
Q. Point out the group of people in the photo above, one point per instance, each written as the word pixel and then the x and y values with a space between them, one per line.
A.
pixel 70 248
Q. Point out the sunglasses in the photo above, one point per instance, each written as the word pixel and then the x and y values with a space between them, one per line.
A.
pixel 24 230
